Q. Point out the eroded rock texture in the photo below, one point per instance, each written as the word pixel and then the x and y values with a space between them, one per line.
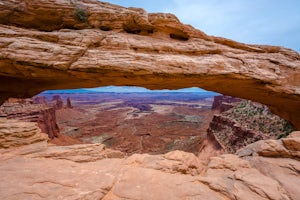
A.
pixel 14 133
pixel 25 110
pixel 224 103
pixel 70 44
pixel 244 123
pixel 32 170
pixel 40 111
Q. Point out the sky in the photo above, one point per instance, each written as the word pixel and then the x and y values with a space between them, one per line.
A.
pixel 272 22
pixel 125 89
pixel 128 89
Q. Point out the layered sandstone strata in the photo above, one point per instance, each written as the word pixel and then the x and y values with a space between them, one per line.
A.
pixel 25 110
pixel 268 169
pixel 14 133
pixel 246 122
pixel 224 103
pixel 70 44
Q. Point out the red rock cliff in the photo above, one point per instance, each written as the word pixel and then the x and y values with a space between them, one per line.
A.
pixel 25 110
pixel 69 44
pixel 245 123
pixel 224 103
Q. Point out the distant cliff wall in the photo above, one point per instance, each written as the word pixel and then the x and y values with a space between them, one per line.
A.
pixel 246 122
pixel 25 110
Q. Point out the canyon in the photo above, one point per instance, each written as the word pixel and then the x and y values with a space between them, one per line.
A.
pixel 114 45
pixel 153 122
pixel 25 110
pixel 158 122
pixel 31 169
pixel 63 44
pixel 39 111
pixel 193 165
pixel 243 122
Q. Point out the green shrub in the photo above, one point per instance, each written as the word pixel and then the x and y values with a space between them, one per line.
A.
pixel 80 15
pixel 281 136
pixel 288 128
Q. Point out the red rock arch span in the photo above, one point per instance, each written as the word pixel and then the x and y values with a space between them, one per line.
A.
pixel 46 45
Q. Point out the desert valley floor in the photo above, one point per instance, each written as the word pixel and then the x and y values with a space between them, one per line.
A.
pixel 138 122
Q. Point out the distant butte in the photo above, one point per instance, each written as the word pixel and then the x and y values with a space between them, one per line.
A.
pixel 73 44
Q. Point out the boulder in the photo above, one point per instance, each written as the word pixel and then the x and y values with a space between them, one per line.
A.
pixel 31 169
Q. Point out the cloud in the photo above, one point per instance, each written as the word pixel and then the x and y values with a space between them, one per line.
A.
pixel 256 21
pixel 149 6
pixel 272 22
pixel 133 89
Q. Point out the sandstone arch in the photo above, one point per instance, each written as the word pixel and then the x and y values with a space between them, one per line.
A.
pixel 45 46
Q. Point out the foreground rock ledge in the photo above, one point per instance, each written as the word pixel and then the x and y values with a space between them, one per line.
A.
pixel 33 170
pixel 70 44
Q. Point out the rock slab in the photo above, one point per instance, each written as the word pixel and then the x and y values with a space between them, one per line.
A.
pixel 77 44
pixel 268 169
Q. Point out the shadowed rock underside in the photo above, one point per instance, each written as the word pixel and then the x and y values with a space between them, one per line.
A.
pixel 71 44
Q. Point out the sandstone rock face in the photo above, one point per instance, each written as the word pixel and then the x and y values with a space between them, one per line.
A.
pixel 210 147
pixel 90 43
pixel 57 102
pixel 284 148
pixel 224 103
pixel 264 170
pixel 14 133
pixel 245 123
pixel 40 111
pixel 69 105
pixel 25 110
pixel 39 100
pixel 236 179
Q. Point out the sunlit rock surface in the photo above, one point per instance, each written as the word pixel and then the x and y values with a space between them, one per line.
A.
pixel 16 133
pixel 33 170
pixel 71 44
pixel 25 110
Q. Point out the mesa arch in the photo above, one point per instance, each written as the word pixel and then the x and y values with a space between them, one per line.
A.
pixel 71 44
